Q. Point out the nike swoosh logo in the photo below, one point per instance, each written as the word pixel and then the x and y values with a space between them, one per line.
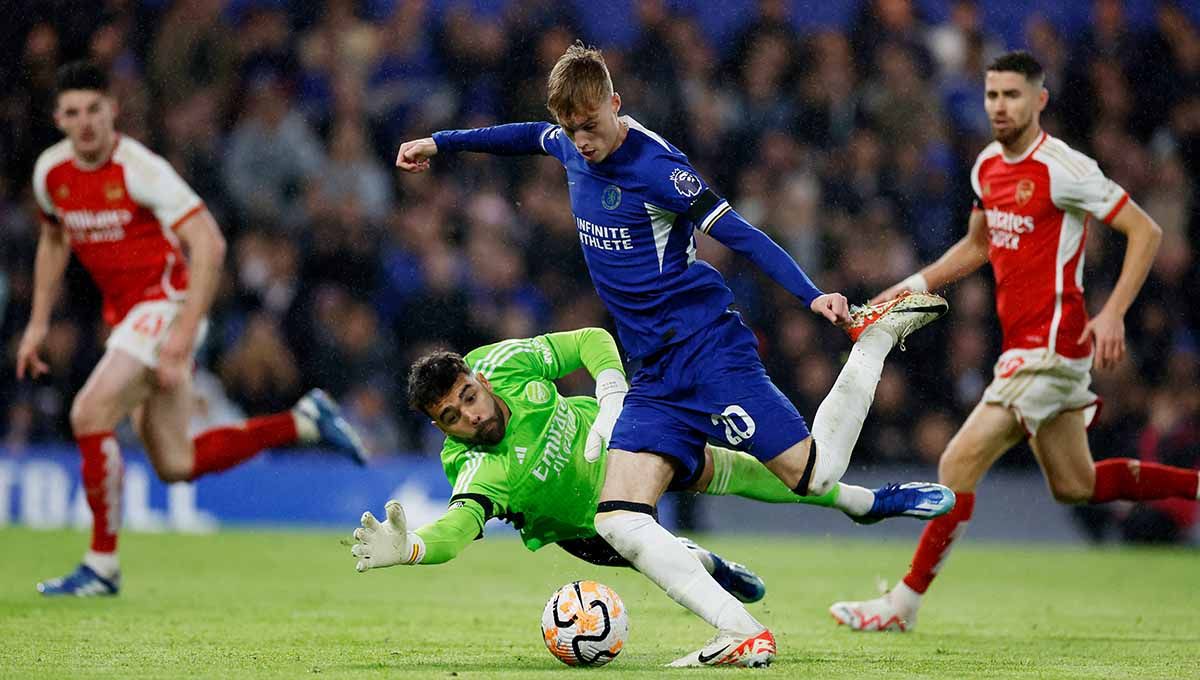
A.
pixel 705 659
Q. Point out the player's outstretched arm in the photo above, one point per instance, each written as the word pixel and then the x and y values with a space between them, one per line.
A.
pixel 1107 329
pixel 964 257
pixel 728 227
pixel 388 543
pixel 53 254
pixel 510 139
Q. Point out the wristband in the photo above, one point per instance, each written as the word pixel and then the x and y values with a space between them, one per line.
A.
pixel 610 381
pixel 416 549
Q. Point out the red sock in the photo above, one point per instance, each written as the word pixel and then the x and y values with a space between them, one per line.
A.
pixel 936 541
pixel 103 473
pixel 1133 480
pixel 222 448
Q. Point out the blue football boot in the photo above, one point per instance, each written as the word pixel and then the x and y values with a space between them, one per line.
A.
pixel 83 582
pixel 736 579
pixel 923 500
pixel 334 431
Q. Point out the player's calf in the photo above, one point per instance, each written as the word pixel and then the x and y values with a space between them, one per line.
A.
pixel 1135 480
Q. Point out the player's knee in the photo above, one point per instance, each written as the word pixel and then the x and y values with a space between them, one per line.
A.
pixel 616 521
pixel 172 470
pixel 1072 491
pixel 828 466
pixel 604 524
pixel 84 416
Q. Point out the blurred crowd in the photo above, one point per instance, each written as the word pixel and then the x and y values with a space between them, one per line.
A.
pixel 850 145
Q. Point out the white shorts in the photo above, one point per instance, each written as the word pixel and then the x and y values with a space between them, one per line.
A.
pixel 1038 385
pixel 144 329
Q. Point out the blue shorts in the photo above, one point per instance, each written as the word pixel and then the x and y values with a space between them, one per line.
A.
pixel 710 386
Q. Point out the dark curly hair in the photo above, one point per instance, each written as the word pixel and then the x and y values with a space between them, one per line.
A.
pixel 432 376
pixel 80 75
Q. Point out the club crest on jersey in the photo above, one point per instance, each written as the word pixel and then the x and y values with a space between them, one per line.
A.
pixel 686 183
pixel 611 198
pixel 113 192
pixel 1024 192
pixel 537 393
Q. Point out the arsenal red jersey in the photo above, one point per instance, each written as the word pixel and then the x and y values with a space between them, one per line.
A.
pixel 1037 207
pixel 120 218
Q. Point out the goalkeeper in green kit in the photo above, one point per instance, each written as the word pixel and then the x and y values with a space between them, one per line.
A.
pixel 517 450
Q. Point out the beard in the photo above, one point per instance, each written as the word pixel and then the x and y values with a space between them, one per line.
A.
pixel 1010 135
pixel 491 431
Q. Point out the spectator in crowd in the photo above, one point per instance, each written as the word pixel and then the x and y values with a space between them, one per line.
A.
pixel 284 116
pixel 272 156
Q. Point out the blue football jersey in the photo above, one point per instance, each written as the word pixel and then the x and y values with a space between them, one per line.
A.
pixel 639 246
pixel 636 213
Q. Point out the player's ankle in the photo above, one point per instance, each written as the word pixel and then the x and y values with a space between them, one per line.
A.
pixel 733 618
pixel 905 598
pixel 879 337
pixel 855 501
pixel 105 564
pixel 306 427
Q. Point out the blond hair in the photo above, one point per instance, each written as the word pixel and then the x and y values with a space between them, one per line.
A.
pixel 578 83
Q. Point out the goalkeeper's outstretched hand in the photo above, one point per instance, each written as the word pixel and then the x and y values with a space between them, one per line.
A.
pixel 384 544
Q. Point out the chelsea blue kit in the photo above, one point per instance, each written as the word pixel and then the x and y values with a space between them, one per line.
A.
pixel 636 213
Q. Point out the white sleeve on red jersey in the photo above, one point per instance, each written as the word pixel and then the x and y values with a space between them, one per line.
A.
pixel 48 160
pixel 993 149
pixel 153 183
pixel 1077 183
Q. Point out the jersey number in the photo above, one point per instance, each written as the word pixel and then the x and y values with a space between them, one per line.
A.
pixel 148 325
pixel 735 432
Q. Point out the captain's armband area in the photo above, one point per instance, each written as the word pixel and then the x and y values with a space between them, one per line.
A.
pixel 489 508
pixel 706 210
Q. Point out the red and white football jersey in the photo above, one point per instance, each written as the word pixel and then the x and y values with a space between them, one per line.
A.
pixel 120 218
pixel 1037 207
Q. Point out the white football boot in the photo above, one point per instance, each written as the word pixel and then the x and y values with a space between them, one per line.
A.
pixel 883 614
pixel 900 316
pixel 732 649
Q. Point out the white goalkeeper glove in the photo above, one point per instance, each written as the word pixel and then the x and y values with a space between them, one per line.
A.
pixel 386 544
pixel 610 393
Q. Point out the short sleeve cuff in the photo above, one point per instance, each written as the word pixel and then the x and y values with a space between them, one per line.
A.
pixel 1116 209
pixel 186 215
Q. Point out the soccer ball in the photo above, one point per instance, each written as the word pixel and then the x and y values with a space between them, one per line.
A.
pixel 585 624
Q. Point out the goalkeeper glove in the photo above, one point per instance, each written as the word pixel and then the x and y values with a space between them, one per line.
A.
pixel 386 544
pixel 610 393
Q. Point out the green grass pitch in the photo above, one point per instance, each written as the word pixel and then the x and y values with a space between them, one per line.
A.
pixel 290 605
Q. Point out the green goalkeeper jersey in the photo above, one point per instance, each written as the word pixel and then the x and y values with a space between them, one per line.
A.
pixel 536 477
